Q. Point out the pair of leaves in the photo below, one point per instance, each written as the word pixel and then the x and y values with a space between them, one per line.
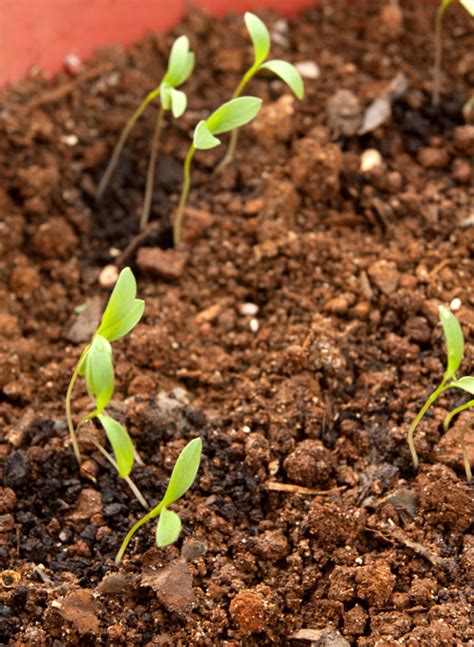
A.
pixel 182 477
pixel 231 115
pixel 261 42
pixel 467 4
pixel 180 66
pixel 455 346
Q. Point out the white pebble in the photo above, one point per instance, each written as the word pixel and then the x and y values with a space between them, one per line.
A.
pixel 248 309
pixel 69 140
pixel 369 159
pixel 455 304
pixel 246 429
pixel 308 69
pixel 254 325
pixel 108 276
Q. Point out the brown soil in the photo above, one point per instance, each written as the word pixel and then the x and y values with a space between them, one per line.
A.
pixel 307 524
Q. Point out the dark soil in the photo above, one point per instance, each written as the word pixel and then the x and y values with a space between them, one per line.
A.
pixel 307 524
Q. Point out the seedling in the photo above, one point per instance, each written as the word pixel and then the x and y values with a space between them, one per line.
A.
pixel 169 523
pixel 444 4
pixel 180 67
pixel 231 115
pixel 261 41
pixel 455 347
pixel 121 315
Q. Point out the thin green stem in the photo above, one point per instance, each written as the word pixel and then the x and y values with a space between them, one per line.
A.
pixel 130 483
pixel 438 52
pixel 121 142
pixel 416 422
pixel 452 414
pixel 151 170
pixel 150 515
pixel 234 136
pixel 70 388
pixel 178 220
pixel 465 456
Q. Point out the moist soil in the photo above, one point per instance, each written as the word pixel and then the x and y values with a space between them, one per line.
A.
pixel 307 523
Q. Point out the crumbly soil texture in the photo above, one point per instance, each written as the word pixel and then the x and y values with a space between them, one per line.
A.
pixel 296 332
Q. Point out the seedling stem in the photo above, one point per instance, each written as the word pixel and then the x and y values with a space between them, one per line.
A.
pixel 418 418
pixel 70 389
pixel 178 221
pixel 151 170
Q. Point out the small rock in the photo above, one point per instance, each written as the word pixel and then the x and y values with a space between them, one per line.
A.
pixel 344 113
pixel 391 18
pixel 7 499
pixel 309 464
pixel 321 637
pixel 79 608
pixel 108 276
pixel 248 309
pixel 337 306
pixel 375 583
pixel 463 138
pixel 370 159
pixel 254 325
pixel 89 503
pixel 173 586
pixel 87 320
pixel 272 545
pixel 193 548
pixel 116 583
pixel 54 238
pixel 431 157
pixel 308 70
pixel 16 469
pixel 197 222
pixel 8 325
pixel 275 122
pixel 385 275
pixel 167 264
pixel 7 522
pixel 248 612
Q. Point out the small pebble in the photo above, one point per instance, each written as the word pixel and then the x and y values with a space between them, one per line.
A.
pixel 254 325
pixel 69 140
pixel 369 159
pixel 308 70
pixel 248 309
pixel 455 304
pixel 108 276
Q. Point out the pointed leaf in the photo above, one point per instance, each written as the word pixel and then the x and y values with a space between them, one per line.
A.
pixel 287 73
pixel 181 62
pixel 454 341
pixel 465 383
pixel 99 372
pixel 233 114
pixel 123 311
pixel 178 103
pixel 121 443
pixel 468 6
pixel 167 528
pixel 204 140
pixel 259 35
pixel 184 472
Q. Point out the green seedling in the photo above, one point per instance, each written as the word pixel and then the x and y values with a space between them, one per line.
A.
pixel 455 347
pixel 261 41
pixel 230 116
pixel 180 67
pixel 169 523
pixel 444 4
pixel 121 315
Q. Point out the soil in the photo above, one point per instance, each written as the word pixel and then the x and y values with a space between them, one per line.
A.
pixel 297 334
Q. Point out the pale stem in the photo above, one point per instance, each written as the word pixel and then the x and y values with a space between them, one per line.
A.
pixel 416 422
pixel 234 136
pixel 70 423
pixel 151 170
pixel 465 456
pixel 121 142
pixel 150 515
pixel 438 54
pixel 455 412
pixel 128 480
pixel 178 220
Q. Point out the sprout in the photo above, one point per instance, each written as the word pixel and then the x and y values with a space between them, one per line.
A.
pixel 444 4
pixel 230 116
pixel 180 67
pixel 286 71
pixel 121 315
pixel 169 524
pixel 455 347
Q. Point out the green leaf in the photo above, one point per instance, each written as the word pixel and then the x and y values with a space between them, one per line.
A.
pixel 468 6
pixel 165 96
pixel 202 139
pixel 181 63
pixel 259 35
pixel 454 341
pixel 121 443
pixel 287 73
pixel 233 114
pixel 178 103
pixel 465 383
pixel 184 472
pixel 167 528
pixel 99 372
pixel 123 310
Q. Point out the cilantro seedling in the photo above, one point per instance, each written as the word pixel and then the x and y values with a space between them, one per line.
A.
pixel 444 4
pixel 180 67
pixel 287 72
pixel 169 523
pixel 455 347
pixel 121 315
pixel 228 117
